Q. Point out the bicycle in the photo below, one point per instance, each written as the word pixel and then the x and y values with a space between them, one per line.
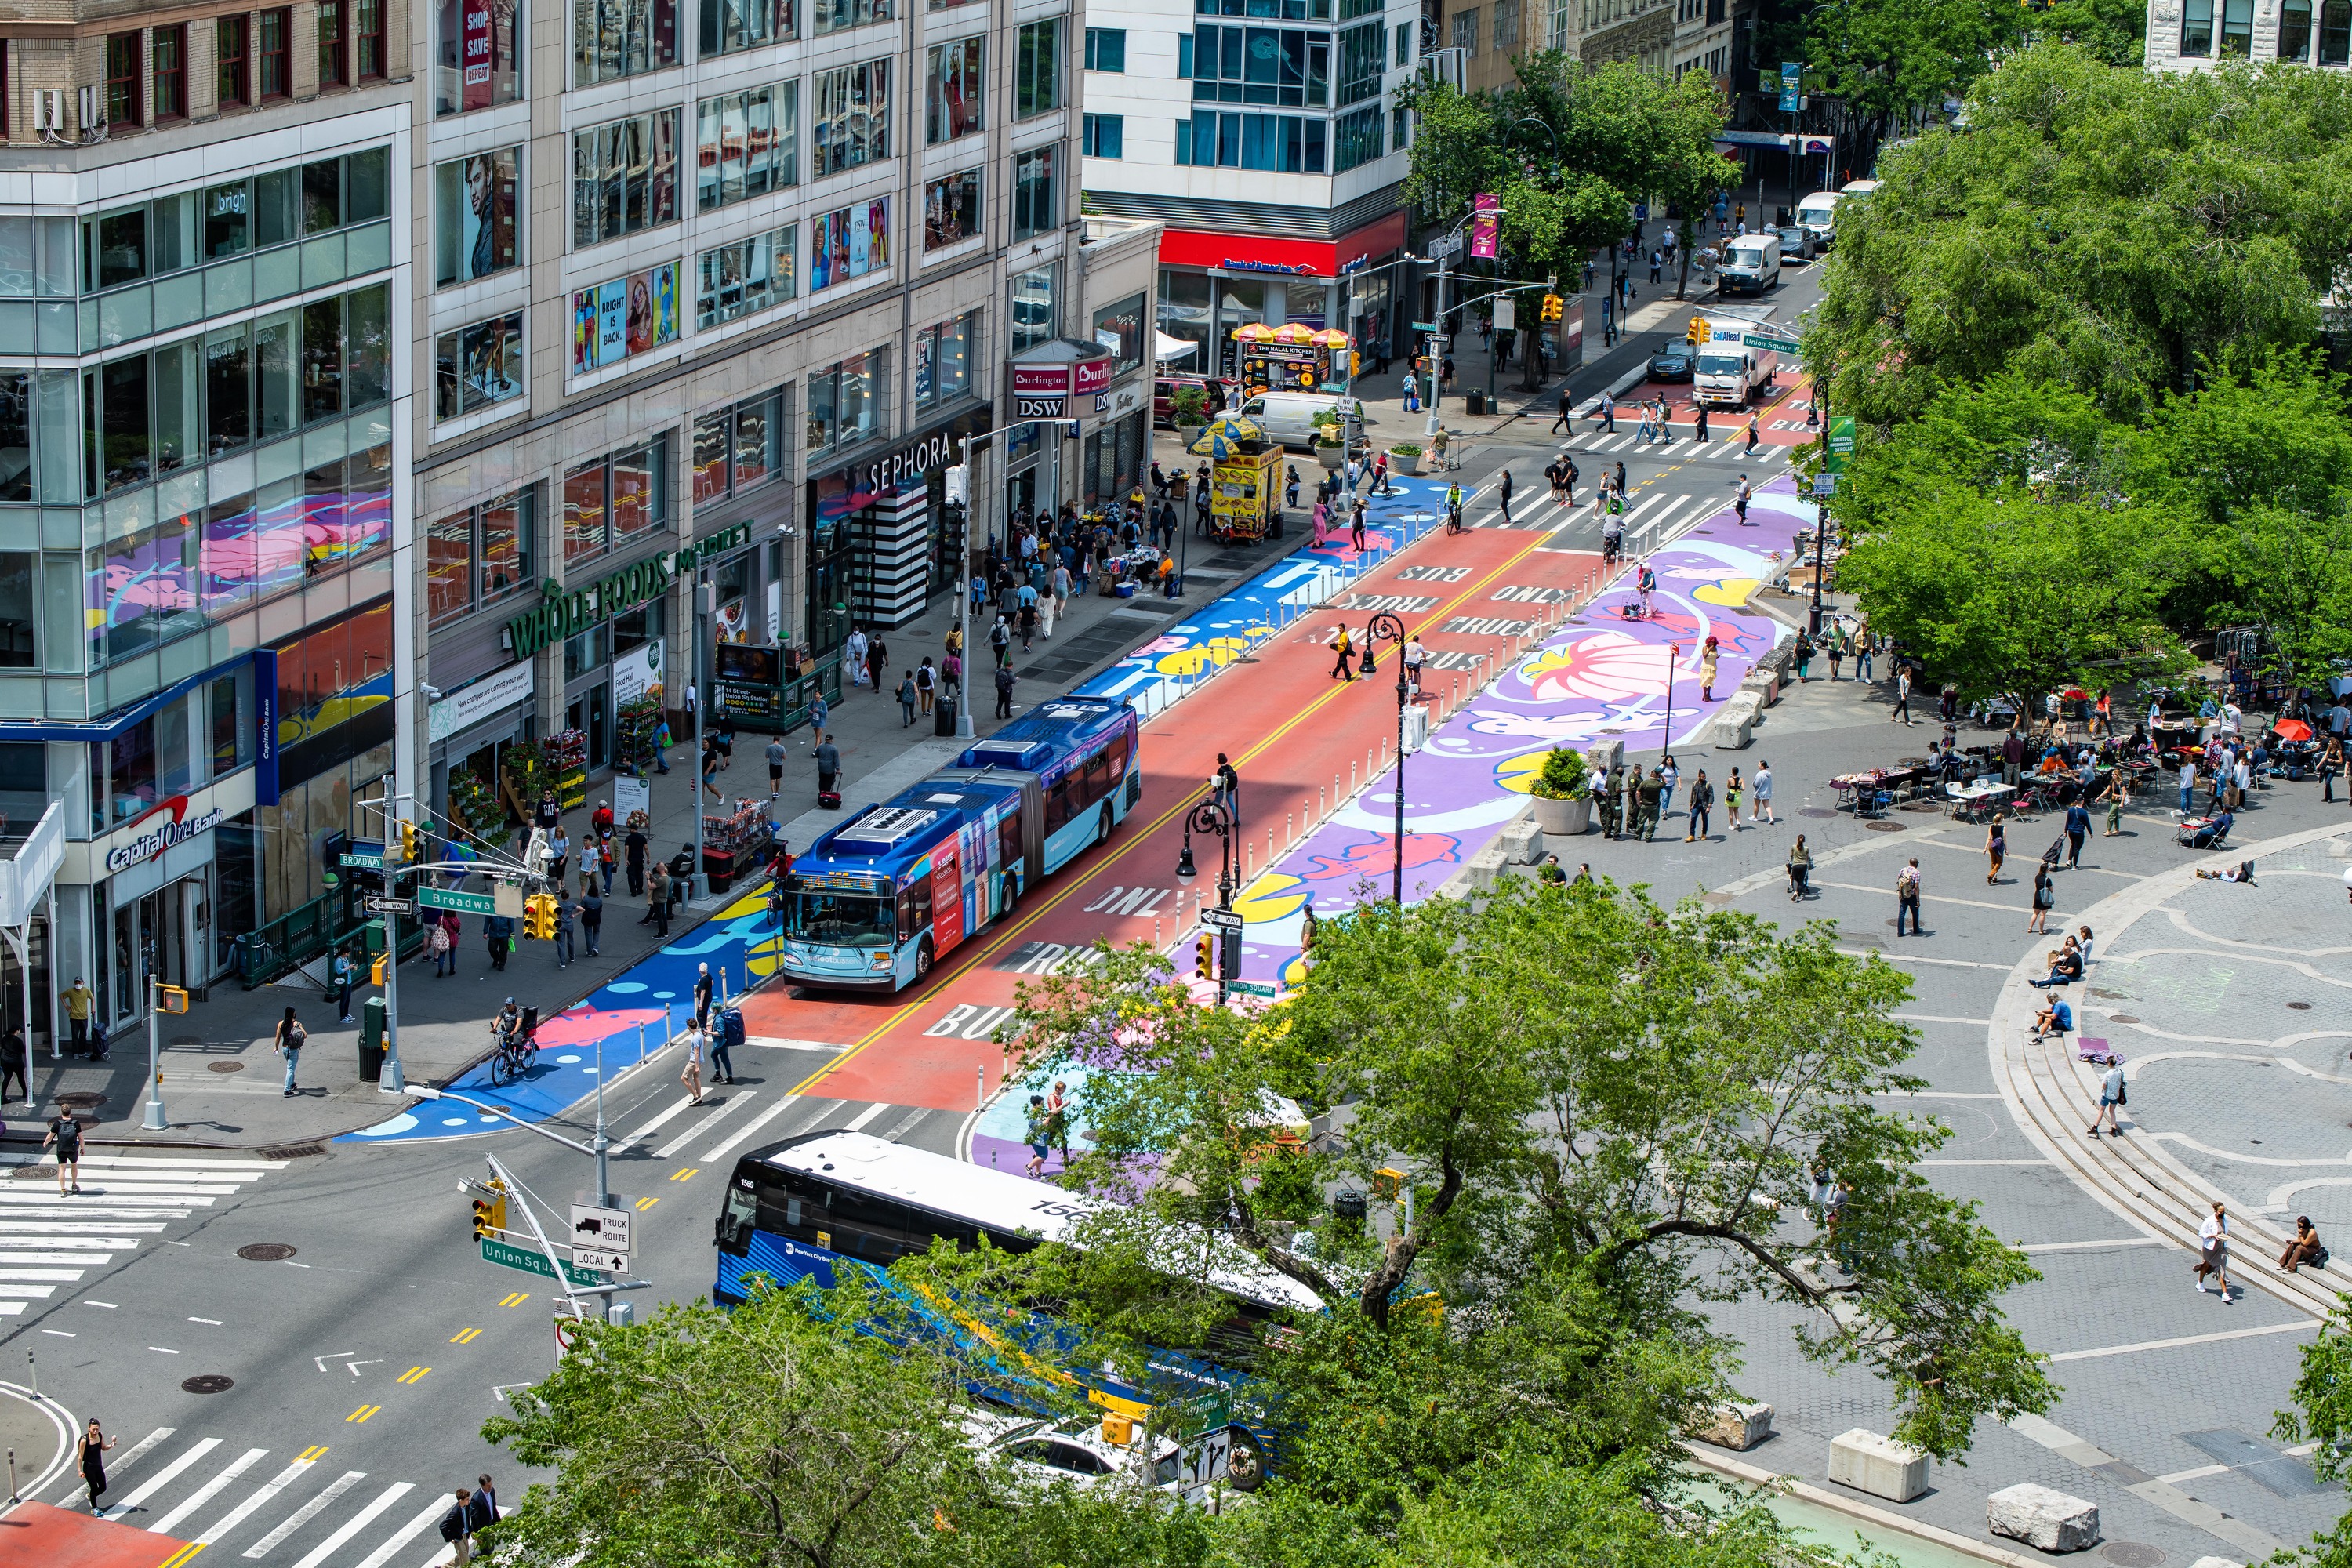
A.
pixel 517 1051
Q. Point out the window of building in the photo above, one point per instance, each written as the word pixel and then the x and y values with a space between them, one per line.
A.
pixel 123 98
pixel 474 205
pixel 2336 32
pixel 479 556
pixel 274 208
pixel 746 145
pixel 335 70
pixel 1359 64
pixel 1105 135
pixel 232 82
pixel 953 92
pixel 477 55
pixel 20 577
pixel 839 15
pixel 623 176
pixel 1506 25
pixel 370 53
pixel 729 25
pixel 1120 328
pixel 848 243
pixel 1290 67
pixel 1465 30
pixel 746 275
pixel 276 52
pixel 1281 143
pixel 1400 130
pixel 1273 10
pixel 1036 192
pixel 478 367
pixel 2294 30
pixel 850 126
pixel 616 39
pixel 1035 319
pixel 615 499
pixel 1405 44
pixel 2237 29
pixel 1107 49
pixel 844 402
pixel 2197 27
pixel 631 315
pixel 1356 139
pixel 944 367
pixel 1037 68
pixel 168 49
pixel 16 436
pixel 951 210
pixel 739 448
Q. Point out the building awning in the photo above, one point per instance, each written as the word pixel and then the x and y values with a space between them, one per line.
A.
pixel 25 876
pixel 1164 347
pixel 1324 258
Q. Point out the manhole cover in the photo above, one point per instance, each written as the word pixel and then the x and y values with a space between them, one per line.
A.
pixel 209 1383
pixel 35 1172
pixel 1815 811
pixel 224 1067
pixel 266 1252
pixel 2132 1554
pixel 2121 1018
pixel 82 1100
pixel 2300 1006
pixel 1886 827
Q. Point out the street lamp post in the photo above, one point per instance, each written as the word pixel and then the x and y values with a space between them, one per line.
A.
pixel 1214 816
pixel 1440 338
pixel 1667 736
pixel 1384 627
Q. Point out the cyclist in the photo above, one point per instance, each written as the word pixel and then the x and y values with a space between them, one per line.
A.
pixel 1454 508
pixel 507 1022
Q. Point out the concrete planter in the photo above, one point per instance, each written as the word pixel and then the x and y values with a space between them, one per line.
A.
pixel 1404 465
pixel 1569 819
pixel 1331 458
pixel 1188 434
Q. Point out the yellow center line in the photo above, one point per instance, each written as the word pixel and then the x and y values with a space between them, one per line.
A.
pixel 1133 840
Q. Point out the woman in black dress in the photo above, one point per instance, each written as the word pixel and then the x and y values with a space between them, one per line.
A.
pixel 94 1444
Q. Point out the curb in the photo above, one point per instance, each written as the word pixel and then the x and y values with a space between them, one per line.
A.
pixel 2046 1089
pixel 66 1426
pixel 1758 1476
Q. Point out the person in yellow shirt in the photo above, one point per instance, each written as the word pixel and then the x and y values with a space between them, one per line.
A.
pixel 78 1001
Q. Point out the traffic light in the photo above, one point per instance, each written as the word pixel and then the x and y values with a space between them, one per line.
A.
pixel 1696 332
pixel 1550 309
pixel 539 916
pixel 490 1213
pixel 1205 963
pixel 407 843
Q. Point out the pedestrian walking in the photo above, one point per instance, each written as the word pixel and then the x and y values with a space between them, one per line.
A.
pixel 77 1000
pixel 703 986
pixel 1005 679
pixel 907 695
pixel 1038 1136
pixel 1702 801
pixel 1803 652
pixel 2111 1095
pixel 2187 783
pixel 1834 646
pixel 457 1529
pixel 2045 898
pixel 65 1137
pixel 1669 776
pixel 566 921
pixel 2116 793
pixel 1606 411
pixel 498 934
pixel 1901 712
pixel 690 1075
pixel 90 1460
pixel 658 901
pixel 1762 784
pixel 287 1042
pixel 1906 898
pixel 633 848
pixel 775 785
pixel 1996 845
pixel 1567 410
pixel 1356 536
pixel 482 1512
pixel 1801 870
pixel 443 942
pixel 1228 782
pixel 1731 788
pixel 828 764
pixel 592 916
pixel 2213 1251
pixel 16 1066
pixel 1416 656
pixel 559 844
pixel 346 974
pixel 722 1059
pixel 2078 827
pixel 1502 494
pixel 1345 668
pixel 1754 431
pixel 1740 495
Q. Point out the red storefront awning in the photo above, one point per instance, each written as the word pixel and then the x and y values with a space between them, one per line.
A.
pixel 1300 258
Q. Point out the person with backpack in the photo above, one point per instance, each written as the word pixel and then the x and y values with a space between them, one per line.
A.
pixel 726 1032
pixel 592 915
pixel 458 1527
pixel 287 1042
pixel 1906 898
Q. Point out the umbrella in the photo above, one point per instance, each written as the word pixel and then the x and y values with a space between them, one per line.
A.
pixel 1330 337
pixel 1173 348
pixel 1256 332
pixel 1292 332
pixel 2293 730
pixel 1226 436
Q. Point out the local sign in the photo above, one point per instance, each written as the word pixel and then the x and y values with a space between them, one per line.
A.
pixel 180 825
pixel 1224 919
pixel 1774 345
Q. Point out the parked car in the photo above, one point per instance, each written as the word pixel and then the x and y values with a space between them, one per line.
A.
pixel 1164 389
pixel 1797 243
pixel 1675 361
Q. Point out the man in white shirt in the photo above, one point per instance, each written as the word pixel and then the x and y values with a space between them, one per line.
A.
pixel 2213 1239
pixel 2111 1094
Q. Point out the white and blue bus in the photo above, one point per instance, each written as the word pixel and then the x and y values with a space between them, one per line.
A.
pixel 808 1206
pixel 879 899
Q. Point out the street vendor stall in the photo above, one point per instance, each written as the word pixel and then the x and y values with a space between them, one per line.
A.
pixel 1244 480
pixel 1294 358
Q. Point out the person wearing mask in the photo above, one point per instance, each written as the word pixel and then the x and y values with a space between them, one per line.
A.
pixel 828 766
pixel 658 901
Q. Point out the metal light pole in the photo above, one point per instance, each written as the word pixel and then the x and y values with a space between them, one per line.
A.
pixel 706 605
pixel 392 1078
pixel 155 1122
pixel 603 1145
pixel 1383 628
pixel 1210 817
pixel 1667 736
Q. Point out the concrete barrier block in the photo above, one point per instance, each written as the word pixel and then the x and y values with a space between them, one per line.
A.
pixel 1521 841
pixel 1603 755
pixel 1734 721
pixel 2045 1519
pixel 1878 1465
pixel 1736 1426
pixel 2217 1563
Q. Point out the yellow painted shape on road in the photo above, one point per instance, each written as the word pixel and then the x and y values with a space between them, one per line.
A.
pixel 362 1412
pixel 413 1374
pixel 183 1555
pixel 686 1176
pixel 516 1299
pixel 645 1203
pixel 311 1454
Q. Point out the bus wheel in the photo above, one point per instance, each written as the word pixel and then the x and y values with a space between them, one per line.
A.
pixel 922 961
pixel 1104 837
pixel 1012 895
pixel 1245 1466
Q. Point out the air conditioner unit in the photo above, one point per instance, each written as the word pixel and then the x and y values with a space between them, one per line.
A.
pixel 93 110
pixel 50 109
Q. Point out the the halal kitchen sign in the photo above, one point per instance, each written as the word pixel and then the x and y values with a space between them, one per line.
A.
pixel 562 613
pixel 176 827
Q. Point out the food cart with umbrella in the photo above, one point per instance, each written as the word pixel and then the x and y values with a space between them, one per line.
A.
pixel 1245 480
pixel 1295 358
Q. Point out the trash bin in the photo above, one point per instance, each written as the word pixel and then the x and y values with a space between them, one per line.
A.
pixel 943 718
pixel 371 1032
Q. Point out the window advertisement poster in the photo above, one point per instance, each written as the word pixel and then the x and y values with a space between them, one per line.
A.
pixel 850 244
pixel 626 316
pixel 612 321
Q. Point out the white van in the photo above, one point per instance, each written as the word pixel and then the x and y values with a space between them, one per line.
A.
pixel 1856 190
pixel 1751 264
pixel 1289 416
pixel 1818 212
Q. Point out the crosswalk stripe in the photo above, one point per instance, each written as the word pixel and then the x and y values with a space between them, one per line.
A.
pixel 61 1246
pixel 650 1128
pixel 306 1513
pixel 382 1554
pixel 27 1292
pixel 744 1134
pixel 22 1235
pixel 206 1493
pixel 261 1494
pixel 163 1477
pixel 365 1517
pixel 23 1274
pixel 145 1211
pixel 115 1201
pixel 723 1107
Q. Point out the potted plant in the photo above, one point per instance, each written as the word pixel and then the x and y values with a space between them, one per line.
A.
pixel 1328 451
pixel 1562 792
pixel 1188 409
pixel 1405 458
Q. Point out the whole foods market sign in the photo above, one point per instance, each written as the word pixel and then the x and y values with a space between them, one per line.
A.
pixel 565 613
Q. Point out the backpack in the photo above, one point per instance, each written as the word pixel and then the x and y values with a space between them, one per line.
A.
pixel 730 1026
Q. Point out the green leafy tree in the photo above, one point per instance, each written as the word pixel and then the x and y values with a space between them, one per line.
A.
pixel 2106 229
pixel 2321 1416
pixel 1605 1112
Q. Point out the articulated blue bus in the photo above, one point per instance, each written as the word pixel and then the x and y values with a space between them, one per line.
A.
pixel 879 899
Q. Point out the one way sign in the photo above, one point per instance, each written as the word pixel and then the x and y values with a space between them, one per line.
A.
pixel 606 1229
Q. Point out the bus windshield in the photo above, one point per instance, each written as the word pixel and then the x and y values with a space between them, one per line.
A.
pixel 843 920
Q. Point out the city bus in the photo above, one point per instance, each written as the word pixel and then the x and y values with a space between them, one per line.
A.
pixel 876 901
pixel 808 1206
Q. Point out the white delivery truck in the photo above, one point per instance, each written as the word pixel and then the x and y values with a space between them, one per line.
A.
pixel 1751 264
pixel 1730 369
pixel 1818 212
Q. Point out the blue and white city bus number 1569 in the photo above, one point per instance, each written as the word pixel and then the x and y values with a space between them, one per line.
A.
pixel 879 899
